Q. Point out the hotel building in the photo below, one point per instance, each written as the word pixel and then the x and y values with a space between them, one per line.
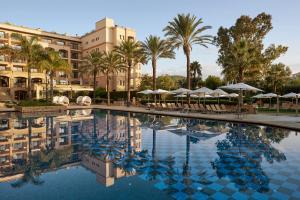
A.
pixel 107 35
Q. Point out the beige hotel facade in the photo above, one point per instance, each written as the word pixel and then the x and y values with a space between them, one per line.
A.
pixel 105 36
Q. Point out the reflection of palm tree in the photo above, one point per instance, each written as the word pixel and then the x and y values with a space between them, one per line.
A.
pixel 240 157
pixel 31 175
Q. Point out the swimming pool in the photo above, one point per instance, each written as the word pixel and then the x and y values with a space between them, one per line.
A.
pixel 102 154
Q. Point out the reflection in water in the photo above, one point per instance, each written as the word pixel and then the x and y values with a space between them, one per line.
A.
pixel 110 145
pixel 241 154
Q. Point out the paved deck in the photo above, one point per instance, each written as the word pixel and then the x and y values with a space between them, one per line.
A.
pixel 283 121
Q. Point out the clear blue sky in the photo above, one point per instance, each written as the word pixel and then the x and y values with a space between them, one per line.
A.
pixel 151 16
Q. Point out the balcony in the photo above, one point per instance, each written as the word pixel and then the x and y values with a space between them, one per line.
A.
pixel 3 36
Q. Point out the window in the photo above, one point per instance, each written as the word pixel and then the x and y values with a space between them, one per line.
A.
pixel 74 46
pixel 17 68
pixel 47 40
pixel 2 67
pixel 2 34
pixel 60 43
pixel 130 38
pixel 75 65
pixel 75 74
pixel 97 38
pixel 74 55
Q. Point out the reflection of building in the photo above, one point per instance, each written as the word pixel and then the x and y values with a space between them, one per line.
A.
pixel 72 134
pixel 15 133
pixel 14 139
pixel 115 128
pixel 13 75
pixel 105 171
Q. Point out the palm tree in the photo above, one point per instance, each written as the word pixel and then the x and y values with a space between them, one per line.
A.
pixel 111 63
pixel 9 52
pixel 185 31
pixel 196 73
pixel 30 51
pixel 132 54
pixel 92 65
pixel 155 48
pixel 54 63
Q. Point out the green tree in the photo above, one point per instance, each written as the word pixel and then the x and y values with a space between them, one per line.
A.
pixel 196 72
pixel 111 64
pixel 242 54
pixel 185 31
pixel 278 76
pixel 92 66
pixel 53 63
pixel 146 82
pixel 166 82
pixel 132 54
pixel 154 49
pixel 30 51
pixel 213 82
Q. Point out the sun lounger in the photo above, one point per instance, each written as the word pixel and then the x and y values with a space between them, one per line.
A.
pixel 214 109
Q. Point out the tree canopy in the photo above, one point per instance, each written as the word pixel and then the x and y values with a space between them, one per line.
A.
pixel 242 54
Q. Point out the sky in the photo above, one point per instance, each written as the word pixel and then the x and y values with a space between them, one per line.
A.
pixel 151 16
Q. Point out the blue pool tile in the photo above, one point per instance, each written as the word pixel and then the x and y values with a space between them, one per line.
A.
pixel 180 196
pixel 200 195
pixel 216 186
pixel 179 186
pixel 296 195
pixel 240 196
pixel 259 196
pixel 279 195
pixel 160 186
pixel 290 186
pixel 220 196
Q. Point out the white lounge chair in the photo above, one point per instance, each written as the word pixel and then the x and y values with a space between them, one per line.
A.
pixel 86 101
pixel 55 99
pixel 63 100
pixel 79 100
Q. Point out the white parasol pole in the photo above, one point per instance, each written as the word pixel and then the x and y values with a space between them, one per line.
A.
pixel 277 107
pixel 296 105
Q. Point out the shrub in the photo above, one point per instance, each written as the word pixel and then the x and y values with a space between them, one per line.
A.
pixel 30 103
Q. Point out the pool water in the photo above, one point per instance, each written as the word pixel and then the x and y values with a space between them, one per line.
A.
pixel 102 154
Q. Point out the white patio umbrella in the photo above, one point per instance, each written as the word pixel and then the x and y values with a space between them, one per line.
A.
pixel 160 92
pixel 270 96
pixel 146 92
pixel 240 87
pixel 232 95
pixel 292 95
pixel 180 96
pixel 219 93
pixel 181 91
pixel 202 90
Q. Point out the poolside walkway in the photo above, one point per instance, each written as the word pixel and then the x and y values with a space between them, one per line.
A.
pixel 283 121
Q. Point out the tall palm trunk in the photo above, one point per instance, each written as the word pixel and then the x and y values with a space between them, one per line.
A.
pixel 188 70
pixel 128 84
pixel 154 76
pixel 108 88
pixel 29 83
pixel 241 75
pixel 94 83
pixel 51 85
pixel 46 78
